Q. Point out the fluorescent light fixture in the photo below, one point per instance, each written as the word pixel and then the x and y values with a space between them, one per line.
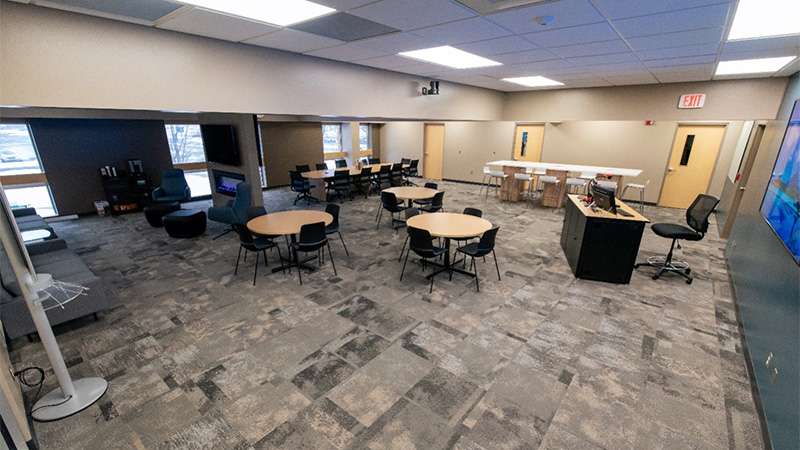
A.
pixel 747 66
pixel 537 81
pixel 450 57
pixel 763 18
pixel 282 13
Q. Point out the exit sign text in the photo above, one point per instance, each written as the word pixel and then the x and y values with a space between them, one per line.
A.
pixel 691 101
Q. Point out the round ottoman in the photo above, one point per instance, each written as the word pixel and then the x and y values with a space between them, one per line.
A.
pixel 185 223
pixel 155 213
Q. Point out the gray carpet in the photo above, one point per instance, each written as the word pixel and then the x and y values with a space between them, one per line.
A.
pixel 199 358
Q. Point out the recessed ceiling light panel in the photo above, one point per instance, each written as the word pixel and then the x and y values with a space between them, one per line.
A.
pixel 760 18
pixel 536 81
pixel 748 66
pixel 283 13
pixel 450 57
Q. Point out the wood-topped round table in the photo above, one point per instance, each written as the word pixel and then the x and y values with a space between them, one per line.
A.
pixel 288 223
pixel 450 226
pixel 411 193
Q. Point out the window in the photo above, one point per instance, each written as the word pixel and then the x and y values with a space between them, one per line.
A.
pixel 186 149
pixel 364 137
pixel 331 137
pixel 21 171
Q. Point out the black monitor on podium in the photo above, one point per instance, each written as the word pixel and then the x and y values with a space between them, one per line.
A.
pixel 603 198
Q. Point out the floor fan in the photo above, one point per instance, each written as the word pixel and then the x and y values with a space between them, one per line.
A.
pixel 42 292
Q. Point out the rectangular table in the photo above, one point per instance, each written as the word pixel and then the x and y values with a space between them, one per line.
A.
pixel 510 189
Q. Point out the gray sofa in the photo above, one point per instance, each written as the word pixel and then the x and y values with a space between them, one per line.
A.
pixel 53 257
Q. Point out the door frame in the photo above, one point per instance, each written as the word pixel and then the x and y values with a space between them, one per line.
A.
pixel 709 123
pixel 424 130
pixel 525 124
pixel 752 148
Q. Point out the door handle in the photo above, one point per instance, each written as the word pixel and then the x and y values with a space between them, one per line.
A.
pixel 741 188
pixel 670 169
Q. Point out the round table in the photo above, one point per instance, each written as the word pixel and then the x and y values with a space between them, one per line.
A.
pixel 288 223
pixel 450 226
pixel 411 193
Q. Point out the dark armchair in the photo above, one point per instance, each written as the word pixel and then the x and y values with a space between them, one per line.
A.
pixel 237 211
pixel 174 188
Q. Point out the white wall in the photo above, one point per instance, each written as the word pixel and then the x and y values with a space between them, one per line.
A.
pixel 53 58
pixel 402 140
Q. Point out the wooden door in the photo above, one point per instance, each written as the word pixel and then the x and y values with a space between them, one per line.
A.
pixel 740 184
pixel 528 141
pixel 694 154
pixel 434 151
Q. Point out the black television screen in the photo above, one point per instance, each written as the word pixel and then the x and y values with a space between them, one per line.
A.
pixel 221 144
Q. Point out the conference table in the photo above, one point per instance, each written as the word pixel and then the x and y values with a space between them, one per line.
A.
pixel 317 177
pixel 449 226
pixel 554 194
pixel 288 223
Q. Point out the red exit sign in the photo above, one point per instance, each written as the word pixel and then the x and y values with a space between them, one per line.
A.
pixel 691 101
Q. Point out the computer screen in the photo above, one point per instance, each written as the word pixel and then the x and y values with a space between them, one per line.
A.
pixel 604 198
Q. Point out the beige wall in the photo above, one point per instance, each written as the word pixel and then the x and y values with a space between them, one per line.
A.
pixel 468 145
pixel 726 100
pixel 60 59
pixel 287 144
pixel 402 140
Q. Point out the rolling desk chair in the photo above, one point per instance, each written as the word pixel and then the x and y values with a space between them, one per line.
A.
pixel 697 218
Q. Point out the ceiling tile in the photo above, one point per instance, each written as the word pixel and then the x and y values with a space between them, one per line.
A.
pixel 468 30
pixel 679 39
pixel 211 24
pixel 527 56
pixel 149 10
pixel 344 27
pixel 346 52
pixel 622 68
pixel 617 9
pixel 603 59
pixel 679 74
pixel 293 41
pixel 412 14
pixel 343 5
pixel 589 83
pixel 567 13
pixel 385 62
pixel 677 52
pixel 575 35
pixel 398 42
pixel 638 78
pixel 535 68
pixel 592 48
pixel 669 62
pixel 683 20
pixel 497 46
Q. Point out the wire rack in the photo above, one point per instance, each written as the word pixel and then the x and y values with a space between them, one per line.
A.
pixel 59 293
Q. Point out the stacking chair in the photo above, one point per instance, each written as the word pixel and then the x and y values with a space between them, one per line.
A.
pixel 411 171
pixel 301 186
pixel 396 174
pixel 313 238
pixel 638 187
pixel 253 244
pixel 427 201
pixel 405 161
pixel 303 168
pixel 437 203
pixel 333 228
pixel 410 212
pixel 470 212
pixel 697 218
pixel 421 243
pixel 363 181
pixel 389 203
pixel 481 249
pixel 341 184
pixel 341 163
pixel 321 166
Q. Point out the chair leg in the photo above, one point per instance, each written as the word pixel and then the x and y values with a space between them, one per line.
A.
pixel 255 271
pixel 236 270
pixel 222 234
pixel 330 255
pixel 266 261
pixel 280 258
pixel 404 264
pixel 344 245
pixel 477 280
pixel 403 249
pixel 495 265
pixel 430 290
pixel 641 200
pixel 245 256
pixel 297 261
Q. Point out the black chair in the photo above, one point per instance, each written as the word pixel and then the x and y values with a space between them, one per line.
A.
pixel 413 169
pixel 313 238
pixel 253 244
pixel 410 212
pixel 470 212
pixel 363 181
pixel 396 174
pixel 341 163
pixel 321 166
pixel 303 168
pixel 421 243
pixel 427 201
pixel 407 171
pixel 437 203
pixel 364 160
pixel 390 203
pixel 382 179
pixel 333 228
pixel 340 185
pixel 480 249
pixel 374 161
pixel 697 218
pixel 405 161
pixel 301 186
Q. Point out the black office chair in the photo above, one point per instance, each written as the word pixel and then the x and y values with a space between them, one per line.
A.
pixel 437 203
pixel 341 163
pixel 410 212
pixel 481 249
pixel 363 181
pixel 303 168
pixel 253 244
pixel 421 243
pixel 384 178
pixel 390 203
pixel 374 161
pixel 697 218
pixel 312 239
pixel 396 174
pixel 333 228
pixel 364 160
pixel 411 171
pixel 321 166
pixel 301 186
pixel 426 201
pixel 340 185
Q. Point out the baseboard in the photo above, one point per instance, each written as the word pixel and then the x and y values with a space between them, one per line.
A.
pixel 63 218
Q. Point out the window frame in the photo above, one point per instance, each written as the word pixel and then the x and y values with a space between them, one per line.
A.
pixel 195 166
pixel 369 138
pixel 29 180
pixel 339 149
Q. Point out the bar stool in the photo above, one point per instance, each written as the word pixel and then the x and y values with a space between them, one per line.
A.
pixel 640 188
pixel 522 177
pixel 494 177
pixel 577 185
pixel 539 173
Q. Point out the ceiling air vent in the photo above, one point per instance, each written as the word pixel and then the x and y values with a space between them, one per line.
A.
pixel 491 6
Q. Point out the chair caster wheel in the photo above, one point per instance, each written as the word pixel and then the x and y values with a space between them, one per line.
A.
pixel 689 281
pixel 688 271
pixel 655 277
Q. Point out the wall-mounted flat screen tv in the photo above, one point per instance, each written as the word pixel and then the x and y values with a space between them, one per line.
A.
pixel 781 204
pixel 220 144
